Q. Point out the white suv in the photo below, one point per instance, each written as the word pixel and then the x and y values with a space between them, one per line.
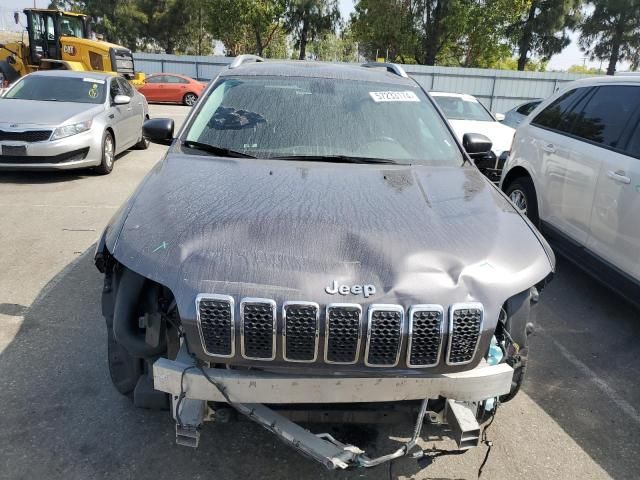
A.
pixel 574 169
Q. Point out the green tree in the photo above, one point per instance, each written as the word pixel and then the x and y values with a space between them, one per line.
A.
pixel 334 48
pixel 611 32
pixel 542 29
pixel 584 69
pixel 246 26
pixel 386 28
pixel 307 20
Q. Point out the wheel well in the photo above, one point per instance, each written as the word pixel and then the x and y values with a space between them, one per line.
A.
pixel 514 173
pixel 113 137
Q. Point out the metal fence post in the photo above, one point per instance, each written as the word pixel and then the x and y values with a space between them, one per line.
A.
pixel 493 92
pixel 197 70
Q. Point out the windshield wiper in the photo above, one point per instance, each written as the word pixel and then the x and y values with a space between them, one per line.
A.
pixel 218 151
pixel 337 159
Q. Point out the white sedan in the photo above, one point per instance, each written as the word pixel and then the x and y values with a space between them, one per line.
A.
pixel 467 115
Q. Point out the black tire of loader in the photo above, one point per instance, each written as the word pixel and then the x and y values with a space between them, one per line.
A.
pixel 124 369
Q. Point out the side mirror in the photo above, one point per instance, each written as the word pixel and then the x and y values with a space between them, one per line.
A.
pixel 158 130
pixel 121 99
pixel 499 117
pixel 476 144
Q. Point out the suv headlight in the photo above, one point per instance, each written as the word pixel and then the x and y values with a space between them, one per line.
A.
pixel 68 130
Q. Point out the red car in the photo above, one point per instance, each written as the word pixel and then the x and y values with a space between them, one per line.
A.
pixel 171 87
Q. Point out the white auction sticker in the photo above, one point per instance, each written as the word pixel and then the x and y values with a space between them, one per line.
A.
pixel 93 80
pixel 406 96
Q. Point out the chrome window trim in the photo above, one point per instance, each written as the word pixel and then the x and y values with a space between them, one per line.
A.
pixel 386 308
pixel 326 333
pixel 464 306
pixel 284 330
pixel 274 323
pixel 221 298
pixel 427 307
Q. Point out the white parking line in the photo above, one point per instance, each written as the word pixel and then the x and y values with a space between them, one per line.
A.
pixel 625 406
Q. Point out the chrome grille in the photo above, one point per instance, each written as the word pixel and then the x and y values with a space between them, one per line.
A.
pixel 384 335
pixel 216 324
pixel 425 335
pixel 342 335
pixel 300 331
pixel 465 326
pixel 258 328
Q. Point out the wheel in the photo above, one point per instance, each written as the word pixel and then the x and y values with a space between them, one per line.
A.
pixel 190 99
pixel 108 154
pixel 523 195
pixel 124 369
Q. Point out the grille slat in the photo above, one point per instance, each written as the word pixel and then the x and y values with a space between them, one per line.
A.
pixel 465 326
pixel 425 335
pixel 342 336
pixel 384 335
pixel 258 326
pixel 216 324
pixel 300 331
pixel 26 135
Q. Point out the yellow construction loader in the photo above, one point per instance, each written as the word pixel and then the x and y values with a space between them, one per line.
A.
pixel 62 40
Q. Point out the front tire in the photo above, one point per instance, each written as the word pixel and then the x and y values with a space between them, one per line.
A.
pixel 108 154
pixel 523 195
pixel 190 99
pixel 125 370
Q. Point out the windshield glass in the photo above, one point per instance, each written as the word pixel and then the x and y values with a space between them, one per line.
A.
pixel 463 108
pixel 271 117
pixel 72 26
pixel 59 89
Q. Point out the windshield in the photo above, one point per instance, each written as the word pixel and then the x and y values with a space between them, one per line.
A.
pixel 463 108
pixel 72 26
pixel 59 89
pixel 269 117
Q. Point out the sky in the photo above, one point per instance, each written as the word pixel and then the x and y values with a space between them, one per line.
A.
pixel 569 56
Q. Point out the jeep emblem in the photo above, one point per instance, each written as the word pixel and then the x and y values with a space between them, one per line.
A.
pixel 366 290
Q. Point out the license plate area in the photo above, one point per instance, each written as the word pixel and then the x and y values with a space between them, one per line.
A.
pixel 14 150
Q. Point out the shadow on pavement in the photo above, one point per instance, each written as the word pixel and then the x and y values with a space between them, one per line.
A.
pixel 63 419
pixel 584 368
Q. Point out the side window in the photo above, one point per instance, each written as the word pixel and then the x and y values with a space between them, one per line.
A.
pixel 559 114
pixel 172 79
pixel 633 148
pixel 155 79
pixel 115 88
pixel 527 108
pixel 607 114
pixel 125 87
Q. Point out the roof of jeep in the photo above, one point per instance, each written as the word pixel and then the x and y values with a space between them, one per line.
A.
pixel 310 69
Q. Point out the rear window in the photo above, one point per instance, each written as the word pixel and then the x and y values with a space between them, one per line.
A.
pixel 275 116
pixel 59 89
pixel 463 108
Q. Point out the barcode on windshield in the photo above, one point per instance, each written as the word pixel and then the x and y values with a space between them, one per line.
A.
pixel 406 96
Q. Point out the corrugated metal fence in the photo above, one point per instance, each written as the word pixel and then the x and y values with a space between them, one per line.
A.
pixel 499 90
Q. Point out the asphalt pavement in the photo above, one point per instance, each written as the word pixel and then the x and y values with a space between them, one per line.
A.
pixel 60 417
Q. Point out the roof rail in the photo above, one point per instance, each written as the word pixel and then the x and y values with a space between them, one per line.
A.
pixel 240 59
pixel 391 67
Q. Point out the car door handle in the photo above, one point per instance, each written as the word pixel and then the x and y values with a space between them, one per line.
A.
pixel 549 148
pixel 619 176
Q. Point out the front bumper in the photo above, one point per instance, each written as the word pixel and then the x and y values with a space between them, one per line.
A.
pixel 77 151
pixel 251 386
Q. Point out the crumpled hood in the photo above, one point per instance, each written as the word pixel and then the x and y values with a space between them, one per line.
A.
pixel 285 230
pixel 500 135
pixel 30 113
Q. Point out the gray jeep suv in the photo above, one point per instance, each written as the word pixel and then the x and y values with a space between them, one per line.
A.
pixel 317 239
